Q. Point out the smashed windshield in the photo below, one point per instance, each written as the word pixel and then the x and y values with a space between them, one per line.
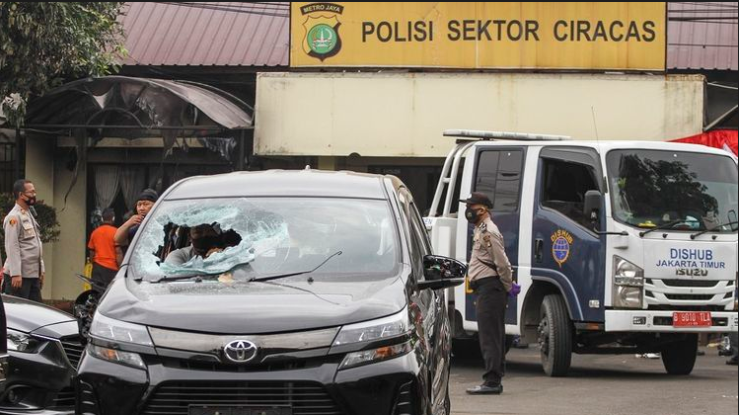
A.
pixel 674 190
pixel 242 239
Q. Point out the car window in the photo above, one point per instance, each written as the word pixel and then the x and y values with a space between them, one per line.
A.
pixel 563 188
pixel 499 176
pixel 250 238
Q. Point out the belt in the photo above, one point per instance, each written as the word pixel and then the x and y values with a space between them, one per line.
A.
pixel 480 282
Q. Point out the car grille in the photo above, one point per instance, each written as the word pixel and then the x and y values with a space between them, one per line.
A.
pixel 691 283
pixel 303 398
pixel 689 297
pixel 404 403
pixel 64 399
pixel 73 348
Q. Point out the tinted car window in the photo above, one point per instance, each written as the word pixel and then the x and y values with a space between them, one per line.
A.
pixel 499 177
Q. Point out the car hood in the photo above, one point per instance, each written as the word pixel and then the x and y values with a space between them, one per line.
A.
pixel 286 305
pixel 29 316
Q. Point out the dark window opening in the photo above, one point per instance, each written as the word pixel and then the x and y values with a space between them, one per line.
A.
pixel 564 187
pixel 499 177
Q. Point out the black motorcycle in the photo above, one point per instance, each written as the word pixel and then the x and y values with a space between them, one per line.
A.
pixel 86 304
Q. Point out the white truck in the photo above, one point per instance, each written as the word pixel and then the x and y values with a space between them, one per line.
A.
pixel 620 247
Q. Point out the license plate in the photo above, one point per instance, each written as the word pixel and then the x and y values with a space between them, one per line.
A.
pixel 238 410
pixel 697 319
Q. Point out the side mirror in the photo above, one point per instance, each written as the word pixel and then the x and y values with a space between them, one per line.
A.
pixel 734 221
pixel 593 203
pixel 441 272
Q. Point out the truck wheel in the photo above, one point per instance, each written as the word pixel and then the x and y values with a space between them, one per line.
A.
pixel 679 357
pixel 555 337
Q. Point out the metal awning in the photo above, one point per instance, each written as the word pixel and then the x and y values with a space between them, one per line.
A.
pixel 126 107
pixel 120 106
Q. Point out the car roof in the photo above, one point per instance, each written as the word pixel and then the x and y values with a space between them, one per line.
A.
pixel 281 183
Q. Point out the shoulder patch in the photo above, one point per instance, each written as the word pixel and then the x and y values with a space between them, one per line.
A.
pixel 12 221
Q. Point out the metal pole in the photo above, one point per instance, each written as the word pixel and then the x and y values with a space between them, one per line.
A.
pixel 242 151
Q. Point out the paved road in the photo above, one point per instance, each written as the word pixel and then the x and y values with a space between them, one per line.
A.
pixel 607 385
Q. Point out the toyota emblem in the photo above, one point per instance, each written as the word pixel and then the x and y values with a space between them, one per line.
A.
pixel 240 351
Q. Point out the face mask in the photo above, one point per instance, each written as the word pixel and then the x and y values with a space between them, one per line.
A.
pixel 30 201
pixel 471 215
pixel 204 244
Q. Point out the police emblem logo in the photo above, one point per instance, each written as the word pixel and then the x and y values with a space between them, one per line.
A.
pixel 322 39
pixel 561 246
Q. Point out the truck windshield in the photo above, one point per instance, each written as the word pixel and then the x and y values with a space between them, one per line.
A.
pixel 243 239
pixel 675 190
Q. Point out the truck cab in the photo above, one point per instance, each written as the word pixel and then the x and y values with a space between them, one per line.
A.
pixel 619 247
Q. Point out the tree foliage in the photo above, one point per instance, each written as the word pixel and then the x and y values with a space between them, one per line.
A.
pixel 42 44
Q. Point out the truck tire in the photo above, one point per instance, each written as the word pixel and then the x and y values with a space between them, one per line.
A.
pixel 679 357
pixel 555 336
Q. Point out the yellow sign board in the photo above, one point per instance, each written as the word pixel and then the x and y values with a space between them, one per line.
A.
pixel 565 35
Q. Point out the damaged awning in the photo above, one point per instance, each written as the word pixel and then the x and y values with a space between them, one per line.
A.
pixel 119 106
pixel 125 107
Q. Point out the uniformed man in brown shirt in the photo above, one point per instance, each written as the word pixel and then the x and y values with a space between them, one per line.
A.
pixel 24 267
pixel 491 277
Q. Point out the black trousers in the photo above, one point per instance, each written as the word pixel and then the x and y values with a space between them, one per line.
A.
pixel 492 300
pixel 30 290
pixel 102 277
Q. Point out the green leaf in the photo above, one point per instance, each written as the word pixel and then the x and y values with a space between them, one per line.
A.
pixel 42 42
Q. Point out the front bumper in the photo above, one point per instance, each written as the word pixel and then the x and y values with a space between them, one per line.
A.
pixel 661 322
pixel 39 383
pixel 168 387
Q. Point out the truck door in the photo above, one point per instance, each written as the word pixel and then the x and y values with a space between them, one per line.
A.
pixel 567 252
pixel 498 173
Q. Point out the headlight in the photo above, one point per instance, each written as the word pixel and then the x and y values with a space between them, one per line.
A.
pixel 373 356
pixel 119 331
pixel 21 342
pixel 628 297
pixel 628 281
pixel 116 356
pixel 386 328
pixel 627 274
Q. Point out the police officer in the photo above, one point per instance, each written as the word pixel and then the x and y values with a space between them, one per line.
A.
pixel 24 267
pixel 490 276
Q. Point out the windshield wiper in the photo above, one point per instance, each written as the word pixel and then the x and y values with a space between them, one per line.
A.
pixel 660 227
pixel 294 274
pixel 270 278
pixel 714 229
pixel 186 277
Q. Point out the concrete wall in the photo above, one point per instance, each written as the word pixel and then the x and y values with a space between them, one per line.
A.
pixel 69 252
pixel 40 170
pixel 46 167
pixel 404 114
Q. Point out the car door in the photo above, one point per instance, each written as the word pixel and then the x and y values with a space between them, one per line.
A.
pixel 498 174
pixel 567 252
pixel 431 306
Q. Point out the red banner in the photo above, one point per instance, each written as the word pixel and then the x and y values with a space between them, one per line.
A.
pixel 725 139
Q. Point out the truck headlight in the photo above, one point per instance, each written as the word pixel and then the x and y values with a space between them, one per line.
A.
pixel 628 281
pixel 627 274
pixel 21 342
pixel 119 331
